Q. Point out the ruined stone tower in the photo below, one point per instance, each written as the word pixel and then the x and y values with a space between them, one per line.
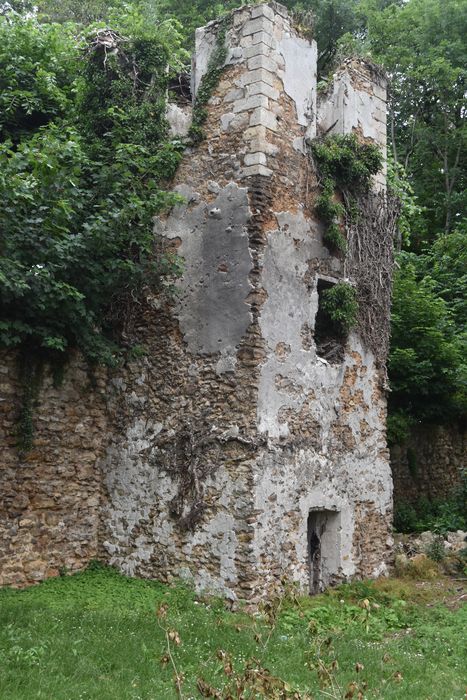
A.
pixel 237 453
pixel 260 445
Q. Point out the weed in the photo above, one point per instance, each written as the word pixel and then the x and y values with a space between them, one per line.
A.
pixel 95 634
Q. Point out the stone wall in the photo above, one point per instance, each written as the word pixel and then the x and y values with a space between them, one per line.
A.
pixel 429 464
pixel 207 457
pixel 50 497
pixel 267 430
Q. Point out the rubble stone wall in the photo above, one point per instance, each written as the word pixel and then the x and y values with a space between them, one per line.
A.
pixel 429 464
pixel 50 497
pixel 288 433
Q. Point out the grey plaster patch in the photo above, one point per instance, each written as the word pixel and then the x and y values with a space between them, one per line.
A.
pixel 212 307
pixel 299 74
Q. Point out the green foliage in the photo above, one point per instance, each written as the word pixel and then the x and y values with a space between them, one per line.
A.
pixel 326 207
pixel 80 188
pixel 340 304
pixel 349 163
pixel 38 65
pixel 30 376
pixel 334 238
pixel 446 262
pixel 332 19
pixel 435 550
pixel 83 12
pixel 426 367
pixel 410 222
pixel 398 427
pixel 405 517
pixel 345 164
pixel 441 515
pixel 422 45
pixel 96 634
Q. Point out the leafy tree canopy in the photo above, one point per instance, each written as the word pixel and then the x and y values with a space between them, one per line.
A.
pixel 83 160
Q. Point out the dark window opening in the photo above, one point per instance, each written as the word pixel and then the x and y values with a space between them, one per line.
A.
pixel 323 548
pixel 329 339
pixel 180 89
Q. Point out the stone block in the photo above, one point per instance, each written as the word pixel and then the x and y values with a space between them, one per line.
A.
pixel 235 55
pixel 262 11
pixel 255 132
pixel 264 117
pixel 263 146
pixel 279 9
pixel 251 103
pixel 263 38
pixel 263 88
pixel 240 18
pixel 256 170
pixel 255 76
pixel 259 49
pixel 262 61
pixel 246 41
pixel 260 24
pixel 255 159
pixel 235 94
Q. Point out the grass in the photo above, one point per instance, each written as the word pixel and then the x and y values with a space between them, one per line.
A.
pixel 96 635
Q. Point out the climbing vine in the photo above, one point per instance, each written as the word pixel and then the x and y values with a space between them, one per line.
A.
pixel 191 457
pixel 370 264
pixel 208 84
pixel 360 227
pixel 341 305
pixel 343 165
pixel 85 158
pixel 30 374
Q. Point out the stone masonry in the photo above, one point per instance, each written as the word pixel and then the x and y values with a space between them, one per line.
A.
pixel 232 454
pixel 430 464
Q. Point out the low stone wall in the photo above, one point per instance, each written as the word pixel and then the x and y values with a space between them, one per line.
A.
pixel 50 496
pixel 429 464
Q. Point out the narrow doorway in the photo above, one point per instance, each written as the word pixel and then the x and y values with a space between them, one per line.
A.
pixel 323 548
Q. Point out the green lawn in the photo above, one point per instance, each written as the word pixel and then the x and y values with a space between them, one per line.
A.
pixel 96 635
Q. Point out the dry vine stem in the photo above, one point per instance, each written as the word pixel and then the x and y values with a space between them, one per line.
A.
pixel 369 264
pixel 161 614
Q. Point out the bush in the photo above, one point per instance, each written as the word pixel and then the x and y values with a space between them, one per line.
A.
pixel 440 516
pixel 340 304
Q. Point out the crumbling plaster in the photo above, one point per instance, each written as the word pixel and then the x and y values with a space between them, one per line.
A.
pixel 214 246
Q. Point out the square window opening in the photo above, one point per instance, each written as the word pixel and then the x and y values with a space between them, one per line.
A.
pixel 329 339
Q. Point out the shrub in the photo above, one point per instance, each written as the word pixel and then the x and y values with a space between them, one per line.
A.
pixel 340 303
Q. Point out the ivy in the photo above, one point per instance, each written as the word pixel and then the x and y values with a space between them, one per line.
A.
pixel 343 164
pixel 85 160
pixel 84 163
pixel 31 374
pixel 209 83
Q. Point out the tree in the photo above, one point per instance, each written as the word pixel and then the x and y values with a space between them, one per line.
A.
pixel 80 182
pixel 425 364
pixel 422 45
